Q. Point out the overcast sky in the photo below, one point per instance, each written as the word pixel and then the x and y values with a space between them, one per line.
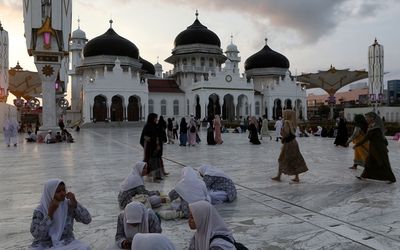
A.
pixel 312 34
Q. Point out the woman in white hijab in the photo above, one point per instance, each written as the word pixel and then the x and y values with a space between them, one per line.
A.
pixel 133 184
pixel 190 189
pixel 208 223
pixel 151 241
pixel 53 220
pixel 10 130
pixel 220 187
pixel 135 218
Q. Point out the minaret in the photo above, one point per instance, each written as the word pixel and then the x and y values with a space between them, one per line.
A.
pixel 375 70
pixel 3 64
pixel 232 63
pixel 158 68
pixel 78 42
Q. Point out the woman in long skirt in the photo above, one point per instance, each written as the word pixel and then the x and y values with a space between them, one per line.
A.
pixel 361 152
pixel 183 132
pixel 210 133
pixel 217 129
pixel 264 129
pixel 377 165
pixel 291 162
pixel 342 134
pixel 151 141
pixel 253 131
pixel 192 131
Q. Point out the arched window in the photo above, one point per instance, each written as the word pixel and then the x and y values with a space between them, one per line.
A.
pixel 211 62
pixel 151 106
pixel 184 62
pixel 163 107
pixel 202 62
pixel 193 61
pixel 176 107
pixel 257 108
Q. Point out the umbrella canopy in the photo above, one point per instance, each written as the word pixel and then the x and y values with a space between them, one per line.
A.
pixel 333 79
pixel 23 83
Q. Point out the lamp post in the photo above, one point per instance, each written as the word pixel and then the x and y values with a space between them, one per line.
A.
pixel 47 31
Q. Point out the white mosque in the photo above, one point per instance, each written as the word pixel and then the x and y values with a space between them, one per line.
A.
pixel 111 81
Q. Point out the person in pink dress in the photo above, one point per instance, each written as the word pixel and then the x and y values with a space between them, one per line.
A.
pixel 217 129
pixel 192 131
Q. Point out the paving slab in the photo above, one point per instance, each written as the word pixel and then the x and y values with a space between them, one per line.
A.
pixel 328 209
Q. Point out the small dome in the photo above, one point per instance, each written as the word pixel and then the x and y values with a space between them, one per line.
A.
pixel 110 43
pixel 197 33
pixel 266 58
pixel 147 66
pixel 78 34
pixel 157 66
pixel 232 48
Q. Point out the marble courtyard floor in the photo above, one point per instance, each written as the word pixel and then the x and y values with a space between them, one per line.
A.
pixel 328 209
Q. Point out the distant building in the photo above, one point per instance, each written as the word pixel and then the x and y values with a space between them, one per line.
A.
pixel 393 92
pixel 354 97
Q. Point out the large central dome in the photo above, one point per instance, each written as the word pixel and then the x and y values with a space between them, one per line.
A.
pixel 197 33
pixel 111 44
pixel 266 58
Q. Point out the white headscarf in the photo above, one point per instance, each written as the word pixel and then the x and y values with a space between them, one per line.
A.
pixel 135 213
pixel 209 223
pixel 151 241
pixel 60 216
pixel 211 171
pixel 191 188
pixel 135 178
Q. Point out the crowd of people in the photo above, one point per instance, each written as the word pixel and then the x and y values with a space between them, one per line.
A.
pixel 139 221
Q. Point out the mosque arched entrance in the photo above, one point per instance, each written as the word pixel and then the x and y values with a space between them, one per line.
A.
pixel 277 109
pixel 299 109
pixel 213 108
pixel 242 107
pixel 116 109
pixel 134 108
pixel 228 108
pixel 198 108
pixel 100 109
pixel 288 104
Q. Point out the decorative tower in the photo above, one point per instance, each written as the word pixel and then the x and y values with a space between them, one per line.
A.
pixel 3 64
pixel 78 42
pixel 158 68
pixel 47 31
pixel 375 71
pixel 232 63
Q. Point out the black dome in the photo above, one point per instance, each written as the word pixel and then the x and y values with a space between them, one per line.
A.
pixel 110 43
pixel 266 58
pixel 147 66
pixel 197 33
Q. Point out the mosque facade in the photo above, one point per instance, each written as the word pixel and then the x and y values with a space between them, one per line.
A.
pixel 111 81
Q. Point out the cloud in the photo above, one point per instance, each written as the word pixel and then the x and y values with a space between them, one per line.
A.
pixel 311 19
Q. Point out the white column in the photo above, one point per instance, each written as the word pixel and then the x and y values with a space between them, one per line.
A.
pixel 270 109
pixel 305 111
pixel 49 113
pixel 235 108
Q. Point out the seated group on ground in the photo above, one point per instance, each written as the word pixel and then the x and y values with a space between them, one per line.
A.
pixel 49 138
pixel 139 222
